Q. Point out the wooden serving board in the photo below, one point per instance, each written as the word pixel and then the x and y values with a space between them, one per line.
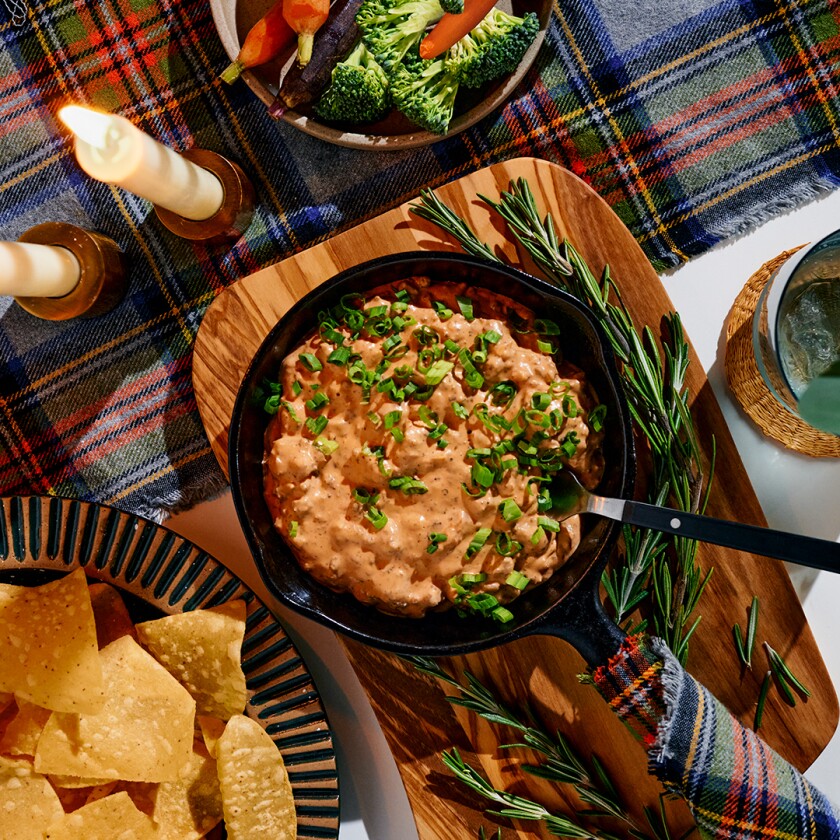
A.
pixel 542 672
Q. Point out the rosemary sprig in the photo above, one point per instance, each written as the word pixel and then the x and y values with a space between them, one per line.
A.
pixel 744 646
pixel 784 675
pixel 762 699
pixel 560 762
pixel 655 387
pixel 517 807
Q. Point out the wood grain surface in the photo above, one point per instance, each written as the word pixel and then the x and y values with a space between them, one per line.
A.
pixel 540 672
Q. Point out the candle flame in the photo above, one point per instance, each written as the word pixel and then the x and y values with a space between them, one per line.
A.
pixel 91 126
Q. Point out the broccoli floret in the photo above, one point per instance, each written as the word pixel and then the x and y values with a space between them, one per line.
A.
pixel 390 28
pixel 425 92
pixel 494 48
pixel 358 92
pixel 452 7
pixel 464 59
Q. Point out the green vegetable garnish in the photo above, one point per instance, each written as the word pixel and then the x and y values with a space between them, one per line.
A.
pixel 311 362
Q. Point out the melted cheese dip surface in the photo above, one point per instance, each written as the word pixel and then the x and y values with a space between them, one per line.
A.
pixel 310 484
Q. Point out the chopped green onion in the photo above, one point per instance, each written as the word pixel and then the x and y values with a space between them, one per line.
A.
pixel 429 417
pixel 540 400
pixel 506 546
pixel 376 518
pixel 482 602
pixel 398 434
pixel 491 336
pixel 482 476
pixel 438 371
pixel 451 346
pixel 374 418
pixel 316 425
pixel 596 417
pixel 537 418
pixel 409 486
pixel 502 614
pixel 291 409
pixel 443 312
pixel 271 404
pixel 403 295
pixel 517 580
pixel 391 419
pixel 466 307
pixel 425 336
pixel 364 496
pixel 569 444
pixel 545 347
pixel 471 375
pixel 548 523
pixel 503 393
pixel 318 401
pixel 296 388
pixel 438 431
pixel 325 445
pixel 480 538
pixel 510 510
pixel 471 578
pixel 434 541
pixel 544 326
pixel 537 535
pixel 570 407
pixel 390 343
pixel 293 528
pixel 310 361
pixel 460 411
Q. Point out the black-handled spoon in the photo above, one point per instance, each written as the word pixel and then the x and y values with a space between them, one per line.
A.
pixel 570 497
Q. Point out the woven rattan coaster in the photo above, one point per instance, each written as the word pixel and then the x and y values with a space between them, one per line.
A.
pixel 746 382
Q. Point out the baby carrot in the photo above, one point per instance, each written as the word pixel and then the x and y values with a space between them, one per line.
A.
pixel 306 17
pixel 451 28
pixel 265 40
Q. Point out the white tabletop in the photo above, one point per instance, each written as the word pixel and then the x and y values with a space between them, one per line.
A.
pixel 797 493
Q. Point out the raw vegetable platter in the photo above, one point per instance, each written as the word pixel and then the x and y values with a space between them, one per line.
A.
pixel 234 19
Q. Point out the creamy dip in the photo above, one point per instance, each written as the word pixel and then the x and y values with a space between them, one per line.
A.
pixel 413 483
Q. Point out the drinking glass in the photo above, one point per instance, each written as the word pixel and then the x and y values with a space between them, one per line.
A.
pixel 796 334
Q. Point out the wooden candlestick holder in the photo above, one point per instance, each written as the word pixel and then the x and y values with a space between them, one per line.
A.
pixel 231 220
pixel 102 281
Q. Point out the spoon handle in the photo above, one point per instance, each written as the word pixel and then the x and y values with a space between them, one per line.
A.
pixel 804 551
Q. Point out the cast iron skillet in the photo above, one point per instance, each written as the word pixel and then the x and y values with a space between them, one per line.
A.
pixel 567 605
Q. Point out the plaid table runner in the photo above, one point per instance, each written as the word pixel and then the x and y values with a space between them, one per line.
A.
pixel 736 787
pixel 693 118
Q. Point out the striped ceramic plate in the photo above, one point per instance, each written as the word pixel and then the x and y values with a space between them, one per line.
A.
pixel 42 537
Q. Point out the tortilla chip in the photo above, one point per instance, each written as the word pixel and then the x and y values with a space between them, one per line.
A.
pixel 113 818
pixel 28 804
pixel 98 792
pixel 201 649
pixel 48 640
pixel 110 614
pixel 24 729
pixel 256 792
pixel 8 712
pixel 211 730
pixel 75 782
pixel 144 733
pixel 191 806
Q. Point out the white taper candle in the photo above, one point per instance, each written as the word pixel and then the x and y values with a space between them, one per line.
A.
pixel 29 270
pixel 112 149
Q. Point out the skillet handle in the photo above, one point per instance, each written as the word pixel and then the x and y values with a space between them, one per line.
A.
pixel 580 620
